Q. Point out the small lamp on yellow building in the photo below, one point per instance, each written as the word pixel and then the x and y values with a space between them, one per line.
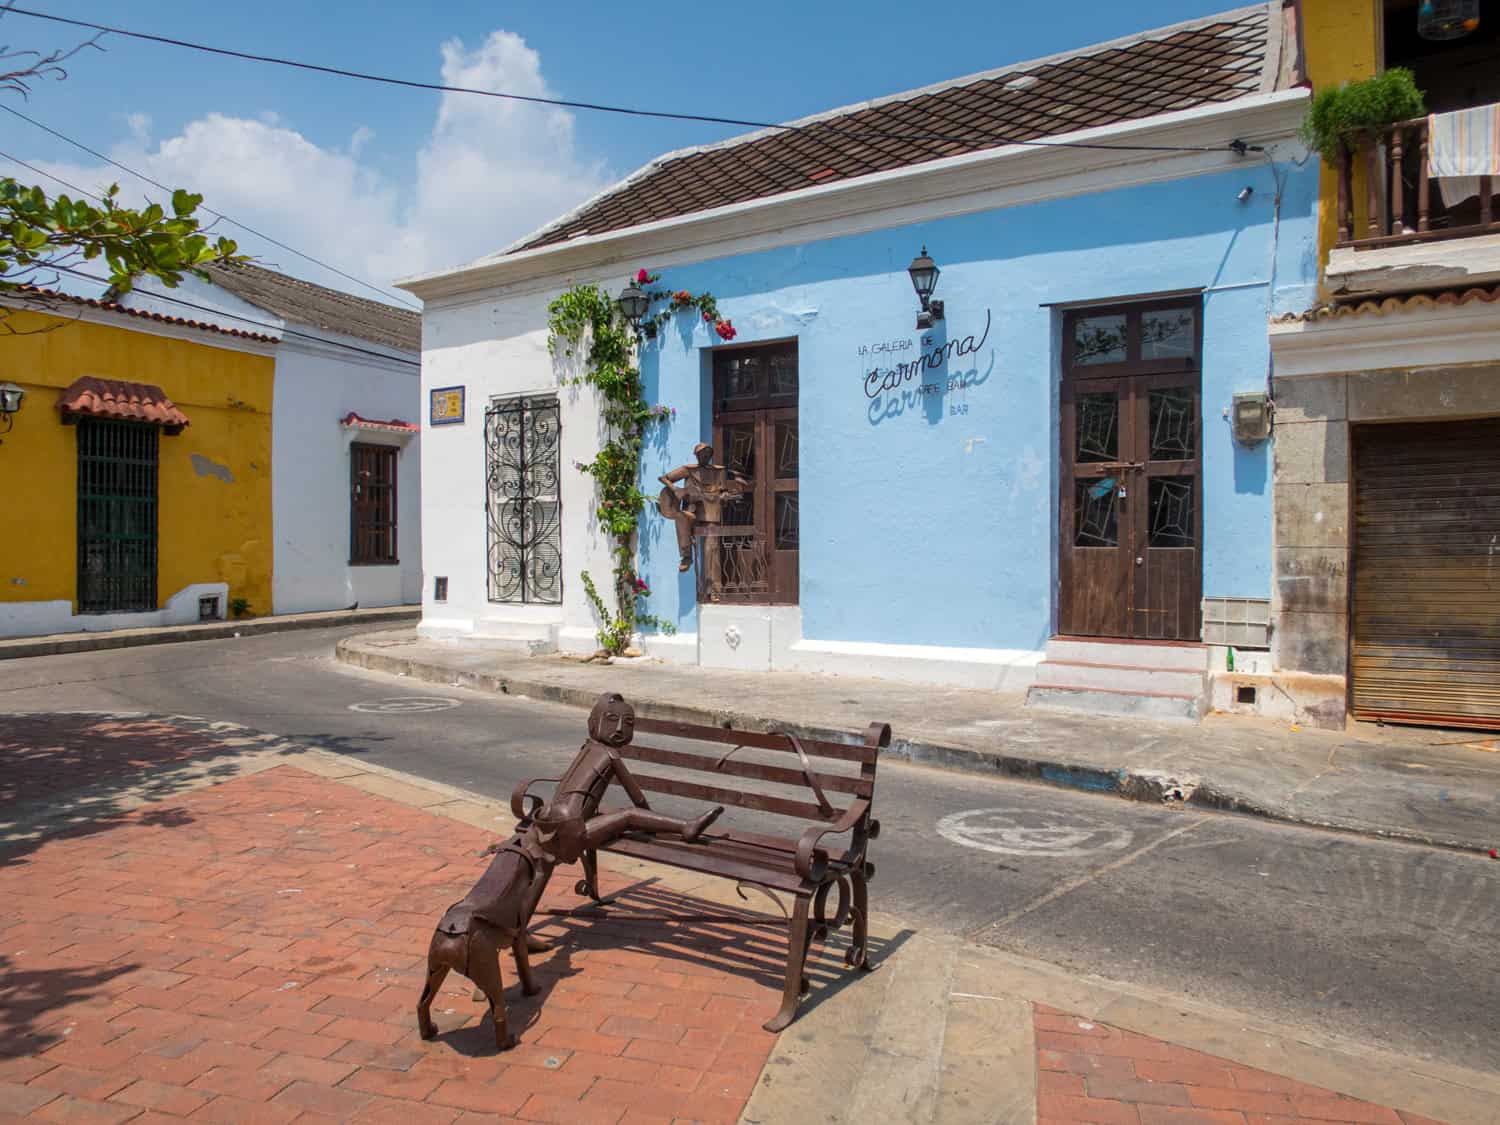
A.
pixel 10 401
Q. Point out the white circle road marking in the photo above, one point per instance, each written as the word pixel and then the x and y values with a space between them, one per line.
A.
pixel 1028 833
pixel 405 705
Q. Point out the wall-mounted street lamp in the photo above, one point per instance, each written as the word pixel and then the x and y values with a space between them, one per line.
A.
pixel 633 303
pixel 924 278
pixel 10 401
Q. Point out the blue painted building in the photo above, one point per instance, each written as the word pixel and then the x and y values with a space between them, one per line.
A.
pixel 1004 497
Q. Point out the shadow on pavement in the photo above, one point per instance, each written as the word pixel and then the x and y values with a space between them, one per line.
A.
pixel 78 774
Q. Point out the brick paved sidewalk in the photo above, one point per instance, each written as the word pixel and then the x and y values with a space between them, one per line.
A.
pixel 257 956
pixel 1088 1072
pixel 224 926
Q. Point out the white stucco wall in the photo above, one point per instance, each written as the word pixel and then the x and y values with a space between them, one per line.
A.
pixel 317 384
pixel 321 377
pixel 499 347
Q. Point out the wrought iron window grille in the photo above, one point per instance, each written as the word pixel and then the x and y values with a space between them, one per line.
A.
pixel 523 501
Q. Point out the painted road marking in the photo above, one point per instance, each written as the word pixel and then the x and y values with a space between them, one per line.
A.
pixel 405 705
pixel 1031 833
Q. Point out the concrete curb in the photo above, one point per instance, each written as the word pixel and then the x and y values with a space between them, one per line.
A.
pixel 1145 785
pixel 62 643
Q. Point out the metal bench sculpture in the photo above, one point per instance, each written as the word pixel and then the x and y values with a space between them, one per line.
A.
pixel 496 912
pixel 810 867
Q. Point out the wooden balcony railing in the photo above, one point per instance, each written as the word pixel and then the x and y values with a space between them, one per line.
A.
pixel 1403 203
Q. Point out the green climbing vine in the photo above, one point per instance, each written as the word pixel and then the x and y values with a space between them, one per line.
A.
pixel 587 312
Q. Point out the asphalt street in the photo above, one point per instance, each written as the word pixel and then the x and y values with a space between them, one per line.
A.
pixel 1393 944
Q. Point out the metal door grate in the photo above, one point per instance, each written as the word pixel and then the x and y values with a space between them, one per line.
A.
pixel 522 469
pixel 117 477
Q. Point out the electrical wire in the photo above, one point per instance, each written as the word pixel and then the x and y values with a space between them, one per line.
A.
pixel 206 210
pixel 597 107
pixel 189 304
pixel 244 319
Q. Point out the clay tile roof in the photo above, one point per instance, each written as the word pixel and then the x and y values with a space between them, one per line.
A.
pixel 46 297
pixel 126 402
pixel 332 310
pixel 1380 306
pixel 1217 59
pixel 354 421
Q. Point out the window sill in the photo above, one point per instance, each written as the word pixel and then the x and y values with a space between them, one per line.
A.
pixel 375 562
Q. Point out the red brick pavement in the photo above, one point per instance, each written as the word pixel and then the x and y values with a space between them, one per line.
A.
pixel 1087 1072
pixel 257 955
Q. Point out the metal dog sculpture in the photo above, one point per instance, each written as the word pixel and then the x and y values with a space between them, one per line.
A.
pixel 469 937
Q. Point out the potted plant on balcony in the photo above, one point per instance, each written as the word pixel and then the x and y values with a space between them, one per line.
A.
pixel 1343 117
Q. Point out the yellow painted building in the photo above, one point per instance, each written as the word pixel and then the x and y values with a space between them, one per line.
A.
pixel 206 520
pixel 1340 43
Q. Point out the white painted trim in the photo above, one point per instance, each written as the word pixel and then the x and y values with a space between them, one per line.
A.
pixel 70 311
pixel 959 185
pixel 40 619
pixel 1412 267
pixel 983 669
pixel 1439 336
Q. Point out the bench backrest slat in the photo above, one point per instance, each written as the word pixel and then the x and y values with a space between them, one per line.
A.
pixel 803 810
pixel 816 748
pixel 732 767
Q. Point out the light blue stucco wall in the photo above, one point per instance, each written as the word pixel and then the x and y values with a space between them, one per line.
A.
pixel 931 519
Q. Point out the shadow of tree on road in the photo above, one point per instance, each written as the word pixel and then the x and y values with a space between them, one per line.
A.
pixel 66 775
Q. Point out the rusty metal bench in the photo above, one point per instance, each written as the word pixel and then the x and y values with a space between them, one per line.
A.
pixel 827 855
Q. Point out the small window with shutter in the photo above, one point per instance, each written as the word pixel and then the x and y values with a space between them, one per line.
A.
pixel 372 505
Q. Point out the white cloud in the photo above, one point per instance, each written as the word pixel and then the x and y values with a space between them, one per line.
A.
pixel 490 171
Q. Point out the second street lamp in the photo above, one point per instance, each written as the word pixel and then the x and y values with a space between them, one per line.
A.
pixel 924 278
pixel 633 303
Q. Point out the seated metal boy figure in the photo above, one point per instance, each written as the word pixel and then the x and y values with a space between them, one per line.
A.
pixel 496 912
pixel 570 822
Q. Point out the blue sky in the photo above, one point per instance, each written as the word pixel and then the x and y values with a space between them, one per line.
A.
pixel 387 182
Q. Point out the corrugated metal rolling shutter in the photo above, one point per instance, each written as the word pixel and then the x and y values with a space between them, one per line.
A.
pixel 1427 573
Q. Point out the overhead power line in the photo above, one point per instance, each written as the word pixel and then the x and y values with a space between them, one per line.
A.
pixel 206 210
pixel 412 84
pixel 283 329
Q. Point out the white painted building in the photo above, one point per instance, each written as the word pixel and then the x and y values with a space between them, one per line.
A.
pixel 945 504
pixel 346 471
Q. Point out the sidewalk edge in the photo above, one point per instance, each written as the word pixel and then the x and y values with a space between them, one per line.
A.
pixel 1149 786
pixel 59 644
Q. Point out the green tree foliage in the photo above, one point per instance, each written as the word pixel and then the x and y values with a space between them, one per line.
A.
pixel 41 237
pixel 1340 116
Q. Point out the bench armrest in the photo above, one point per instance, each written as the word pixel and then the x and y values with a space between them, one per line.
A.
pixel 807 846
pixel 521 794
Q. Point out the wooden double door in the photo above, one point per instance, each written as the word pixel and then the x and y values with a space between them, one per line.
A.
pixel 1131 528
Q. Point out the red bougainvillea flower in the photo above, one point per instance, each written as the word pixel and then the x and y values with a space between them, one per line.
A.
pixel 708 318
pixel 725 330
pixel 642 277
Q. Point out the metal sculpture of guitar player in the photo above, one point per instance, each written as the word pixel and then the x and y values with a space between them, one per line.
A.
pixel 496 912
pixel 706 487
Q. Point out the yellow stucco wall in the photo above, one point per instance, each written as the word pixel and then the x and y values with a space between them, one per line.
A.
pixel 1341 43
pixel 210 529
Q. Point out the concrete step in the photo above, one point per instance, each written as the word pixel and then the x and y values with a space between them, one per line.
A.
pixel 1129 653
pixel 1120 677
pixel 1103 701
